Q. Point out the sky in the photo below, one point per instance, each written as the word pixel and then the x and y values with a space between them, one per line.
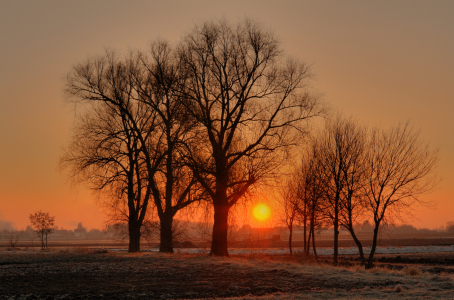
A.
pixel 381 62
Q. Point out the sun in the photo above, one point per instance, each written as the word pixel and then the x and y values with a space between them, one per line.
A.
pixel 261 212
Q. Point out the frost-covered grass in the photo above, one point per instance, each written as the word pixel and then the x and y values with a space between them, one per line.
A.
pixel 376 283
pixel 352 282
pixel 327 251
pixel 409 283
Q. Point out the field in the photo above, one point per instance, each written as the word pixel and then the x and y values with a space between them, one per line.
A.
pixel 83 273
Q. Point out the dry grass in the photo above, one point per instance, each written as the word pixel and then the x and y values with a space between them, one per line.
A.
pixel 398 288
pixel 410 282
pixel 412 271
pixel 298 258
pixel 406 271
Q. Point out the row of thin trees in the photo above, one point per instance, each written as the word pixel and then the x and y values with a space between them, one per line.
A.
pixel 351 173
pixel 200 122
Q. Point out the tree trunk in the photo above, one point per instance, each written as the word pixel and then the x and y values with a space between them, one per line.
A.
pixel 290 239
pixel 166 233
pixel 42 240
pixel 134 237
pixel 358 244
pixel 313 241
pixel 308 241
pixel 305 228
pixel 336 236
pixel 370 261
pixel 304 237
pixel 312 228
pixel 220 228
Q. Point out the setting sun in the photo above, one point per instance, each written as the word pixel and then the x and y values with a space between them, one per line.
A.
pixel 261 212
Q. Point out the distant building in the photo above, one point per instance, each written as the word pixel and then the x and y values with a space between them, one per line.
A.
pixel 80 231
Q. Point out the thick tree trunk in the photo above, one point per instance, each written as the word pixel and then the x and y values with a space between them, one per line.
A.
pixel 220 229
pixel 134 237
pixel 290 239
pixel 370 261
pixel 166 234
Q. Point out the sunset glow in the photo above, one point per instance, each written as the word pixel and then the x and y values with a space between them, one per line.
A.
pixel 393 63
pixel 261 212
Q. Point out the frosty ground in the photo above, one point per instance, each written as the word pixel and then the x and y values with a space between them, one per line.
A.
pixel 88 274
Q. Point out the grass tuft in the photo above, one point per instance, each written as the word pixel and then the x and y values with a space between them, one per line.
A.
pixel 360 269
pixel 412 271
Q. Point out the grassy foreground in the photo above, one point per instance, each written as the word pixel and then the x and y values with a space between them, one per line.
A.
pixel 79 273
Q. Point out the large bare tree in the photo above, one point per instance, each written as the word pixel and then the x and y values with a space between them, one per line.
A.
pixel 248 99
pixel 173 187
pixel 113 139
pixel 128 139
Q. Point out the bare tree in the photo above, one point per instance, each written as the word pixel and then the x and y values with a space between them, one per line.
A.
pixel 43 224
pixel 174 186
pixel 248 100
pixel 128 143
pixel 341 159
pixel 113 148
pixel 297 202
pixel 290 204
pixel 450 227
pixel 353 174
pixel 13 239
pixel 400 168
pixel 312 190
pixel 330 162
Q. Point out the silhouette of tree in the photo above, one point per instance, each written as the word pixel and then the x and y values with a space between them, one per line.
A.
pixel 311 189
pixel 174 187
pixel 42 224
pixel 291 206
pixel 450 227
pixel 341 161
pixel 248 100
pixel 400 168
pixel 113 149
pixel 127 144
pixel 301 198
pixel 13 239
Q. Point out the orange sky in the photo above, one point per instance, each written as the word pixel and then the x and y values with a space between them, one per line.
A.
pixel 380 61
